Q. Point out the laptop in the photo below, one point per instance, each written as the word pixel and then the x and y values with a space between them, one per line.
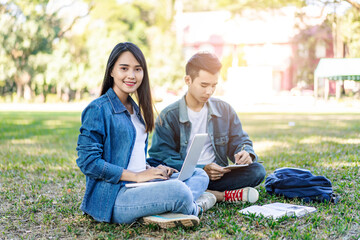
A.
pixel 188 166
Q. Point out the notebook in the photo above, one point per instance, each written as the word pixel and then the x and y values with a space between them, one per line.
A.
pixel 236 166
pixel 278 210
pixel 189 164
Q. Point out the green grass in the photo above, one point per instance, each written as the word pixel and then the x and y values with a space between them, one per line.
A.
pixel 41 187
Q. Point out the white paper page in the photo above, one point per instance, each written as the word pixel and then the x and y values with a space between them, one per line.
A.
pixel 266 212
pixel 298 210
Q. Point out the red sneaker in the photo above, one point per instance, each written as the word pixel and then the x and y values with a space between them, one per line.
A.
pixel 247 194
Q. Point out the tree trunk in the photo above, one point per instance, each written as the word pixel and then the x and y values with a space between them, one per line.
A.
pixel 19 90
pixel 23 88
pixel 78 94
pixel 59 91
pixel 45 91
pixel 66 95
pixel 27 92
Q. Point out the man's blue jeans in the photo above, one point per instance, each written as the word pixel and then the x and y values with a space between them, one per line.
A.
pixel 249 176
pixel 167 196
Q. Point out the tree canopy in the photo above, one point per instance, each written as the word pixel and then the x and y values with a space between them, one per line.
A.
pixel 60 48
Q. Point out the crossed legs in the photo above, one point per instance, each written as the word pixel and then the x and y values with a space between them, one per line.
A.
pixel 240 178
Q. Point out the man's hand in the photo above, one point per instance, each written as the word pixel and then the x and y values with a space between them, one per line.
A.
pixel 215 172
pixel 243 157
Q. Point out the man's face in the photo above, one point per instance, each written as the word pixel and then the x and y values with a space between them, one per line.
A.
pixel 202 87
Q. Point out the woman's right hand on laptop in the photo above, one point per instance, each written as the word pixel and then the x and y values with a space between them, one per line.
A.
pixel 169 170
pixel 152 173
pixel 144 176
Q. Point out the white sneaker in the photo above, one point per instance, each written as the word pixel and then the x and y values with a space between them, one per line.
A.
pixel 206 201
pixel 168 220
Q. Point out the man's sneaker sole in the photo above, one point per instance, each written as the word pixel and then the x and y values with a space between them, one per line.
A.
pixel 169 220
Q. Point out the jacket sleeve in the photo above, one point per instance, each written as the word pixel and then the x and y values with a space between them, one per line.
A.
pixel 90 147
pixel 238 138
pixel 165 146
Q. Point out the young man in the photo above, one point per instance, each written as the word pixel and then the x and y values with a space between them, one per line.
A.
pixel 196 113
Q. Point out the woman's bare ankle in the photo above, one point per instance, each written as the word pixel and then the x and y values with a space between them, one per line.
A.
pixel 219 195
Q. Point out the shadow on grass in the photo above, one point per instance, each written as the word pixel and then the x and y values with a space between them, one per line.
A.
pixel 26 125
pixel 38 139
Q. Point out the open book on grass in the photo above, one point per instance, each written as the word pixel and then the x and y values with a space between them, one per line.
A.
pixel 277 210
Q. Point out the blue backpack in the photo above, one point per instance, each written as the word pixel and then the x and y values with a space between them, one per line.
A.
pixel 300 183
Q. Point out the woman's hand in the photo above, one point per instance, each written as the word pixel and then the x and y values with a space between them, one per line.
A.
pixel 150 174
pixel 168 170
pixel 159 172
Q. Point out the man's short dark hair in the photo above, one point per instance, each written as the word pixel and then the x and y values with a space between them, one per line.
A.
pixel 202 61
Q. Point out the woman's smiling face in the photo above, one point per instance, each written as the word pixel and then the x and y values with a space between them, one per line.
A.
pixel 127 74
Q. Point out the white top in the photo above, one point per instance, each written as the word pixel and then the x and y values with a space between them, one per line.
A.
pixel 137 161
pixel 198 125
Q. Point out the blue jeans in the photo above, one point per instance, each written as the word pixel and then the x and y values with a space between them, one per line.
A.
pixel 249 176
pixel 167 196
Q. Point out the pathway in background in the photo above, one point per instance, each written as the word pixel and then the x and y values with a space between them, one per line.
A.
pixel 298 104
pixel 286 104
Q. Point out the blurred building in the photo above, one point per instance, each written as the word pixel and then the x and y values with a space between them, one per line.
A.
pixel 272 44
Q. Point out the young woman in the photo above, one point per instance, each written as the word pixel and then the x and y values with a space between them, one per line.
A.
pixel 112 149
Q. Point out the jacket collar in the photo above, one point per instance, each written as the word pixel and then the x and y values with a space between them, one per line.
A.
pixel 117 105
pixel 213 108
pixel 183 113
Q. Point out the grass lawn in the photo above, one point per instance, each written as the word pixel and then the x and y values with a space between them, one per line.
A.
pixel 41 187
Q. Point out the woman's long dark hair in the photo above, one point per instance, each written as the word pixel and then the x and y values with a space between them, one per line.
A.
pixel 143 93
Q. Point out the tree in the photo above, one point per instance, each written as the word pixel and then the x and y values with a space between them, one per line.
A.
pixel 25 31
pixel 29 32
pixel 354 4
pixel 239 6
pixel 149 24
pixel 351 32
pixel 232 60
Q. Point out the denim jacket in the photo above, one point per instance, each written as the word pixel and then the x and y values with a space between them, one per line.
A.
pixel 104 146
pixel 173 128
